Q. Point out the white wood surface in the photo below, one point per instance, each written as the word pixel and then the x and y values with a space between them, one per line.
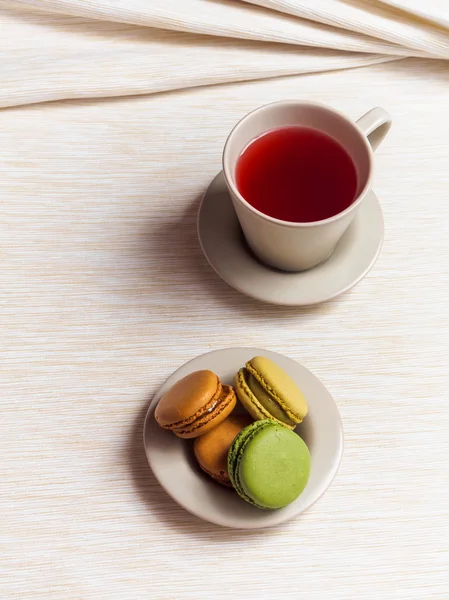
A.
pixel 105 292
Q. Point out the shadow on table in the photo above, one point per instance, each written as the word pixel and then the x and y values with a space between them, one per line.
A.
pixel 176 241
pixel 163 507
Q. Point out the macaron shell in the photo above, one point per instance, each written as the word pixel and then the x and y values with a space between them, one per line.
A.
pixel 235 454
pixel 222 408
pixel 187 399
pixel 274 467
pixel 264 398
pixel 245 396
pixel 280 386
pixel 211 449
pixel 253 403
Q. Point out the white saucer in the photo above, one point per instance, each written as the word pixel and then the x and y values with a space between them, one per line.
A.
pixel 224 246
pixel 172 462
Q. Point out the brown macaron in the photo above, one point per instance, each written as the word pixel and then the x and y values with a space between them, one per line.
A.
pixel 195 404
pixel 211 449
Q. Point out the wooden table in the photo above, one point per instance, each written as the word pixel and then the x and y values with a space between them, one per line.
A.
pixel 105 292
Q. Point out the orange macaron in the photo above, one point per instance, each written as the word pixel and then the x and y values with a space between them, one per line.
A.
pixel 195 404
pixel 211 449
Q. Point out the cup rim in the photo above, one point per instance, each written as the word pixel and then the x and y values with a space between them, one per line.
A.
pixel 285 103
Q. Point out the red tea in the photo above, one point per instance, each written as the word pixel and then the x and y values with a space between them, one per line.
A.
pixel 296 174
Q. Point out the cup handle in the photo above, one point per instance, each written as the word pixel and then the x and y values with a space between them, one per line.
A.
pixel 375 124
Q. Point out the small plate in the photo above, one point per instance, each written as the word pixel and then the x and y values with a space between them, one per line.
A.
pixel 225 248
pixel 172 462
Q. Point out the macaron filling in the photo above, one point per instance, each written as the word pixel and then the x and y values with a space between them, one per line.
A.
pixel 263 401
pixel 293 417
pixel 212 409
pixel 207 408
pixel 268 401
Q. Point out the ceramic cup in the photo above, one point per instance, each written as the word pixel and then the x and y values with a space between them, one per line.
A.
pixel 299 246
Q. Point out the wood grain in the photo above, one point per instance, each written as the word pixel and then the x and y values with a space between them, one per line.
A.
pixel 105 292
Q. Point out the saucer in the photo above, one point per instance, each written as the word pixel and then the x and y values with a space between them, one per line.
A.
pixel 172 462
pixel 224 246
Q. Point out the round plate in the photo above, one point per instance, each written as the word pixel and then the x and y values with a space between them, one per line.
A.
pixel 224 246
pixel 172 462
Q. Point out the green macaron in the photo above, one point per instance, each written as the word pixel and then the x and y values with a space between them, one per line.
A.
pixel 268 392
pixel 268 464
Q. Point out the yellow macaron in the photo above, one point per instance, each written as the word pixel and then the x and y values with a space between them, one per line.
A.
pixel 268 392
